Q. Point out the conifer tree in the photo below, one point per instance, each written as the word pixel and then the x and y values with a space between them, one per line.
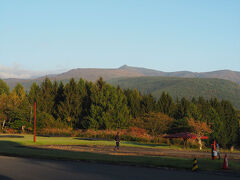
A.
pixel 46 99
pixel 58 101
pixel 134 102
pixel 230 122
pixel 165 104
pixel 34 94
pixel 148 104
pixel 108 107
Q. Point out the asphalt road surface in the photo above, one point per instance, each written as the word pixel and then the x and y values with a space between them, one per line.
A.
pixel 33 169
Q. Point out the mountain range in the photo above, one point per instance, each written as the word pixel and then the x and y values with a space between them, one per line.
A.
pixel 222 84
pixel 92 74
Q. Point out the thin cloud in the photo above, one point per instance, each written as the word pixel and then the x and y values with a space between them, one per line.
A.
pixel 16 71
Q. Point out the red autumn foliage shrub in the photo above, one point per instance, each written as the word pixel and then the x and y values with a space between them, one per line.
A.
pixel 55 132
pixel 155 123
pixel 10 131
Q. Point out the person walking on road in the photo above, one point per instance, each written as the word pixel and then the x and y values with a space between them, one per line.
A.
pixel 117 140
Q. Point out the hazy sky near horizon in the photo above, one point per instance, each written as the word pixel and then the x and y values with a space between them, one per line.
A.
pixel 171 35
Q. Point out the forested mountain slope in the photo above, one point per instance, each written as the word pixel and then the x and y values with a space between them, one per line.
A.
pixel 183 87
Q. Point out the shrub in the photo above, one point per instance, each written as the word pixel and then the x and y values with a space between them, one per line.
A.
pixel 55 132
pixel 154 123
pixel 9 131
pixel 18 124
pixel 131 134
pixel 45 120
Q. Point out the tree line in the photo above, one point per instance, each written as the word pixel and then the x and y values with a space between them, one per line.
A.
pixel 98 105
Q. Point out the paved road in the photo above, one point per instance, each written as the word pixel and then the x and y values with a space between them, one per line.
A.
pixel 24 169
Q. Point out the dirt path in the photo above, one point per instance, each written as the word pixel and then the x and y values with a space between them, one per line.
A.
pixel 138 151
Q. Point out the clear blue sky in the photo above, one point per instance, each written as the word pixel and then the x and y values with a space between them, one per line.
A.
pixel 170 35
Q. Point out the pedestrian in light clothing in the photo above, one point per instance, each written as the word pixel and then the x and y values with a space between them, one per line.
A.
pixel 218 150
pixel 117 140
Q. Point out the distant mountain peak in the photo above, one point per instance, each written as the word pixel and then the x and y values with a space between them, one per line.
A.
pixel 124 67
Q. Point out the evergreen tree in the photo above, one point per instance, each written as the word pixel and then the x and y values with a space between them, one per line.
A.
pixel 134 102
pixel 230 122
pixel 46 99
pixel 179 125
pixel 217 126
pixel 81 97
pixel 58 101
pixel 165 104
pixel 182 109
pixel 70 104
pixel 108 108
pixel 148 104
pixel 226 129
pixel 34 94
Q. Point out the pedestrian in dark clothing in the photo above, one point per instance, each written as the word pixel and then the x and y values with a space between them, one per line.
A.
pixel 117 139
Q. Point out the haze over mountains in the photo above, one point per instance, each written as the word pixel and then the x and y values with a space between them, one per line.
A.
pixel 92 74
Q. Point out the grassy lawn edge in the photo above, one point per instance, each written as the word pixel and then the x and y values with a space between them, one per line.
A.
pixel 23 147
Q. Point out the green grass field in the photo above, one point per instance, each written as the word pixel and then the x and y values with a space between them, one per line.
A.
pixel 24 147
pixel 28 141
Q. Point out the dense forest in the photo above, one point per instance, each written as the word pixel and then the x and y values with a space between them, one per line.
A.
pixel 87 105
pixel 183 87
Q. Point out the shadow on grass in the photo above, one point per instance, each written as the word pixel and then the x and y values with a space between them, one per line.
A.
pixel 11 136
pixel 10 148
pixel 145 144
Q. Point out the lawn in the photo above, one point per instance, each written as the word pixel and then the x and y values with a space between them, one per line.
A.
pixel 27 140
pixel 24 147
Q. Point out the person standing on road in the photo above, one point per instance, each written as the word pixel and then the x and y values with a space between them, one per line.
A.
pixel 218 150
pixel 117 140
